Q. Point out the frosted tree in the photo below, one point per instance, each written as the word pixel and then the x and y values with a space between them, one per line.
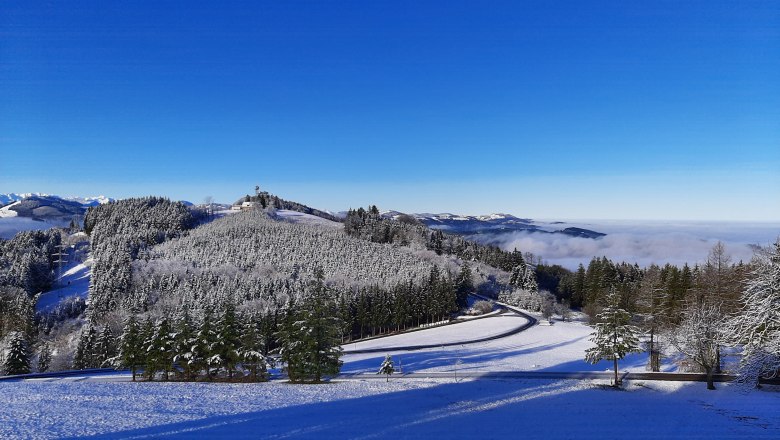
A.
pixel 131 345
pixel 184 341
pixel 160 351
pixel 699 335
pixel 228 342
pixel 387 367
pixel 85 350
pixel 17 360
pixel 614 337
pixel 44 357
pixel 757 327
pixel 311 336
pixel 251 355
pixel 105 347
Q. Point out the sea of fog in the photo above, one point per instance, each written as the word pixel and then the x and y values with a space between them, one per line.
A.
pixel 642 242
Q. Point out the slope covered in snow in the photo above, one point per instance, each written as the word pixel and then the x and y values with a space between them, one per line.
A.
pixel 361 409
pixel 74 283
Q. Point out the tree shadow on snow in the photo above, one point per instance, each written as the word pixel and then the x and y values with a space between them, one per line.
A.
pixel 470 409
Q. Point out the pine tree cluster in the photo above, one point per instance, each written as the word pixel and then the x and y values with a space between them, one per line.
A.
pixel 118 232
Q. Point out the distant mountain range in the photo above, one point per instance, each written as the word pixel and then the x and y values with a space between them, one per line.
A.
pixel 41 206
pixel 6 199
pixel 494 224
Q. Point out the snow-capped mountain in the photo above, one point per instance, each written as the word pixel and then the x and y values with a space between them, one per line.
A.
pixel 7 199
pixel 493 223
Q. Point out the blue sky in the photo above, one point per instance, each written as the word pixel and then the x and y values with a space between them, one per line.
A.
pixel 625 110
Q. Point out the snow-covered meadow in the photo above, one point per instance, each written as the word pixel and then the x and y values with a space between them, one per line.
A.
pixel 402 408
pixel 111 407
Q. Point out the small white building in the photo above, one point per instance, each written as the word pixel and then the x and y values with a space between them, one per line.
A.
pixel 243 206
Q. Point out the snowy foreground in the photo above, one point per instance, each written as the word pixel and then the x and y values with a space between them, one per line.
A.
pixel 375 409
pixel 109 406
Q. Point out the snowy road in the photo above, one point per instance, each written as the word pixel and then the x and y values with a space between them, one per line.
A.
pixel 461 333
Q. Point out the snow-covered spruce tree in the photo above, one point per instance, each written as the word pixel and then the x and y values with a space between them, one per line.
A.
pixel 699 335
pixel 311 336
pixel 85 350
pixel 614 337
pixel 228 342
pixel 184 341
pixel 17 360
pixel 203 348
pixel 757 327
pixel 105 347
pixel 387 367
pixel 160 350
pixel 44 357
pixel 251 354
pixel 131 345
pixel 464 285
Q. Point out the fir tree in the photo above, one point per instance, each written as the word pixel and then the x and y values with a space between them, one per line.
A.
pixel 85 356
pixel 44 358
pixel 387 367
pixel 310 339
pixel 251 354
pixel 228 340
pixel 202 349
pixel 131 345
pixel 184 341
pixel 614 337
pixel 105 347
pixel 464 285
pixel 17 360
pixel 160 351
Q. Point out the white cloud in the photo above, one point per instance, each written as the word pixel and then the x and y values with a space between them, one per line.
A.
pixel 643 243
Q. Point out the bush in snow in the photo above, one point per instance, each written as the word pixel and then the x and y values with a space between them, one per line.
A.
pixel 481 308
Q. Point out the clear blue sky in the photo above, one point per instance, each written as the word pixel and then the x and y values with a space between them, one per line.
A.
pixel 630 109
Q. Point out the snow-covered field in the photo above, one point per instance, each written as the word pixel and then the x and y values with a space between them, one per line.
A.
pixel 111 407
pixel 559 347
pixel 360 409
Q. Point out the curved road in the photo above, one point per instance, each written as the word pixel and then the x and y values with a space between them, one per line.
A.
pixel 531 321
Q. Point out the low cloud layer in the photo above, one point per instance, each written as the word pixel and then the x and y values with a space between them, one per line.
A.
pixel 643 243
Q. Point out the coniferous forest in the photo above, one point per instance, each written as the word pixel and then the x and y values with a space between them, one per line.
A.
pixel 177 294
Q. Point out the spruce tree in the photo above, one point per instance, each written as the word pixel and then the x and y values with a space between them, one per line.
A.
pixel 17 360
pixel 160 351
pixel 228 340
pixel 464 285
pixel 44 357
pixel 251 354
pixel 184 341
pixel 131 345
pixel 85 356
pixel 387 367
pixel 202 349
pixel 105 347
pixel 614 336
pixel 310 337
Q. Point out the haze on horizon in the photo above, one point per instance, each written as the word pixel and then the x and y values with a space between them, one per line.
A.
pixel 654 110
